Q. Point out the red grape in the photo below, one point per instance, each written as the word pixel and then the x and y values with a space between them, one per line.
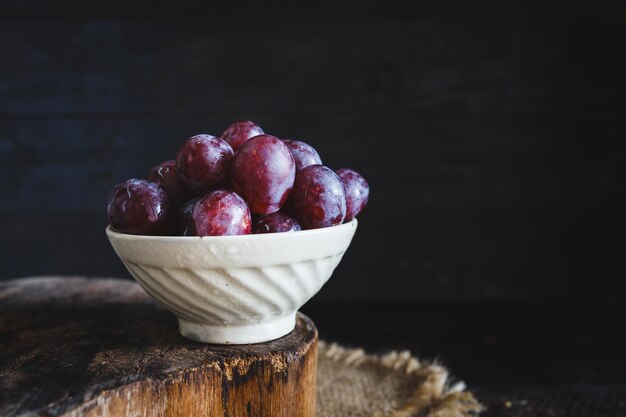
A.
pixel 303 154
pixel 263 172
pixel 357 192
pixel 239 132
pixel 275 223
pixel 221 213
pixel 167 176
pixel 183 223
pixel 139 207
pixel 318 198
pixel 203 163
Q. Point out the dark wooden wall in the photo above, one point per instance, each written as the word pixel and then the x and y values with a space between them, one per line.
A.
pixel 491 134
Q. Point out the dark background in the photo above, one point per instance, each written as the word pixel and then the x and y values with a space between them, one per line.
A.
pixel 491 135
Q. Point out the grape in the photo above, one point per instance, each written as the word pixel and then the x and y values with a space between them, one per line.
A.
pixel 239 132
pixel 303 154
pixel 318 198
pixel 203 163
pixel 221 213
pixel 183 224
pixel 167 176
pixel 357 192
pixel 139 207
pixel 263 172
pixel 275 223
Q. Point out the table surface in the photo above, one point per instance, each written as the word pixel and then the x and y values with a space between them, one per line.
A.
pixel 520 358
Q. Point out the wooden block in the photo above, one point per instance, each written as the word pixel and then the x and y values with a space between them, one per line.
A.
pixel 77 347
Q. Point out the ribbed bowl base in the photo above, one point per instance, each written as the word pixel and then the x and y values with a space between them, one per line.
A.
pixel 240 334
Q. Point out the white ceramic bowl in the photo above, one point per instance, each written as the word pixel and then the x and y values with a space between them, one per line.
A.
pixel 234 289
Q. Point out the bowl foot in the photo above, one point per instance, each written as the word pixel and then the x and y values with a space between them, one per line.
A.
pixel 240 334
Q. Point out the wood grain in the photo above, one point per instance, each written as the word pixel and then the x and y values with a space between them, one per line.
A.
pixel 76 347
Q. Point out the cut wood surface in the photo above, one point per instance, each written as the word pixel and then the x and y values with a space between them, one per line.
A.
pixel 70 346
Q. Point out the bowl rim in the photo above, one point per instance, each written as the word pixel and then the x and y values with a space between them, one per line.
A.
pixel 260 236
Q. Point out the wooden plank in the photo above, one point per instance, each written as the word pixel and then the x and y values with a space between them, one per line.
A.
pixel 303 11
pixel 438 67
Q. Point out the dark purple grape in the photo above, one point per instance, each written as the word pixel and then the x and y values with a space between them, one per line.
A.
pixel 318 198
pixel 183 223
pixel 139 207
pixel 275 223
pixel 303 154
pixel 203 163
pixel 167 176
pixel 263 172
pixel 357 192
pixel 221 213
pixel 239 132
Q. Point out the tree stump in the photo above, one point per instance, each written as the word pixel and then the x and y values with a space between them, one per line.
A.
pixel 101 347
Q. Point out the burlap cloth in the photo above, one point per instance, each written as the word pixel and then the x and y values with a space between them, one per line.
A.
pixel 351 383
